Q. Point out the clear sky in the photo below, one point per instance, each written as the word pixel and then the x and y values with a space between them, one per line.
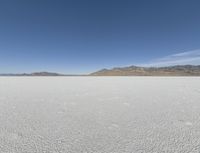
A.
pixel 81 36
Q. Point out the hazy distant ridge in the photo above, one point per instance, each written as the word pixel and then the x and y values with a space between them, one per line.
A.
pixel 178 70
pixel 33 74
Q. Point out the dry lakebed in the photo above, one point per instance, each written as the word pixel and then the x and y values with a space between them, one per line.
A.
pixel 99 114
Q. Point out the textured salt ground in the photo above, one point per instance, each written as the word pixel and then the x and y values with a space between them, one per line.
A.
pixel 99 114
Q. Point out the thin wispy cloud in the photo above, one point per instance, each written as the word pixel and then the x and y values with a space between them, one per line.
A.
pixel 183 58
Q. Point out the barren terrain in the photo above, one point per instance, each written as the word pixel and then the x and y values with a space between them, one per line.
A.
pixel 99 114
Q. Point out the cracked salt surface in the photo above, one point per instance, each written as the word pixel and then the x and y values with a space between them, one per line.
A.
pixel 99 114
pixel 188 123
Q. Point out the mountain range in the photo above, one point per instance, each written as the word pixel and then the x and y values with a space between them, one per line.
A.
pixel 177 70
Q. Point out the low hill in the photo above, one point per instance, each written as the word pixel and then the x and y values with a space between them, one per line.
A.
pixel 45 74
pixel 33 74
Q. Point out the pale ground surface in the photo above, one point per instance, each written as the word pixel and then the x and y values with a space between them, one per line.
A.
pixel 99 114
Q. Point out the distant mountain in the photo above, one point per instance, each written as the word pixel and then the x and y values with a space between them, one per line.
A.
pixel 45 74
pixel 33 74
pixel 178 70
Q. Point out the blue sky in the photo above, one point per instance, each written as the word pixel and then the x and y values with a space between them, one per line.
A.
pixel 81 36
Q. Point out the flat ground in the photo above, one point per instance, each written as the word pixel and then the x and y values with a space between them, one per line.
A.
pixel 99 114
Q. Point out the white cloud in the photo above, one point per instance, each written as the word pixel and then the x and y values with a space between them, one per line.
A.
pixel 183 58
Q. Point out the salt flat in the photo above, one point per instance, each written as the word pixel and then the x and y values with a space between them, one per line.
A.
pixel 99 114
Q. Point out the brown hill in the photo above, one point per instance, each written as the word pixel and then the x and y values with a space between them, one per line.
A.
pixel 179 70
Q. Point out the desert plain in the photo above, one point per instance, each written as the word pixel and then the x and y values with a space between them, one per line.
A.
pixel 99 114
